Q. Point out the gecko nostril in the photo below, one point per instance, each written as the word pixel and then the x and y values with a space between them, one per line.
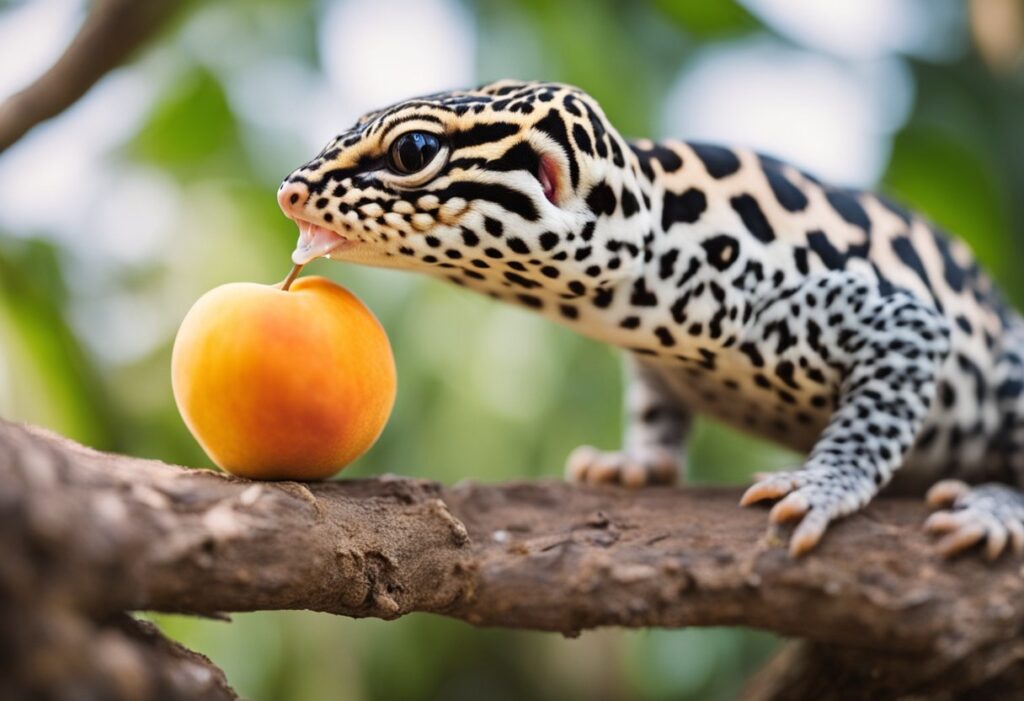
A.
pixel 292 197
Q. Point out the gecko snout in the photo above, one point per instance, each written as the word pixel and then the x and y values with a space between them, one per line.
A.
pixel 292 197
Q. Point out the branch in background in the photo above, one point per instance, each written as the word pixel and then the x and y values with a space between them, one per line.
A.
pixel 85 536
pixel 112 31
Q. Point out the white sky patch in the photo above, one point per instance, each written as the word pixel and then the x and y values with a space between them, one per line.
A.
pixel 831 118
pixel 377 53
pixel 32 36
pixel 52 178
pixel 135 219
pixel 863 28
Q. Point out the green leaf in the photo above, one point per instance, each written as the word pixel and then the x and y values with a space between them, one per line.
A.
pixel 192 130
pixel 717 19
pixel 46 377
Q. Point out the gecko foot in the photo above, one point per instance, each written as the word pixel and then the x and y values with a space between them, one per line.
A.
pixel 814 497
pixel 589 465
pixel 989 514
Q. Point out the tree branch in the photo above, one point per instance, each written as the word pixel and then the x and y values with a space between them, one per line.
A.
pixel 111 534
pixel 111 32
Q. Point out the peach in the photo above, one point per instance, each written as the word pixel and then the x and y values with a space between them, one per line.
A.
pixel 279 383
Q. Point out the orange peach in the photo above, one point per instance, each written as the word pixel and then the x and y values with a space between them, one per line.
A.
pixel 283 384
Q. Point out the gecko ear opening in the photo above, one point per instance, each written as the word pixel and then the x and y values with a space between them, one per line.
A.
pixel 547 174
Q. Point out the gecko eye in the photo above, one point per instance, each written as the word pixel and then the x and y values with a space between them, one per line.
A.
pixel 411 152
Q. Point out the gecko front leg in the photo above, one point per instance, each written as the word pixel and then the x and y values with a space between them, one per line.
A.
pixel 884 353
pixel 657 426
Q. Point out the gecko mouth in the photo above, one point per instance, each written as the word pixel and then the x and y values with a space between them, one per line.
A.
pixel 316 241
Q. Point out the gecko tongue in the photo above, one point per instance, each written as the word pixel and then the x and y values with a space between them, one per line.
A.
pixel 314 241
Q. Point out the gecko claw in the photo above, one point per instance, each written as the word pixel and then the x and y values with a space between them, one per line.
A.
pixel 793 507
pixel 946 492
pixel 771 487
pixel 588 465
pixel 807 535
pixel 989 515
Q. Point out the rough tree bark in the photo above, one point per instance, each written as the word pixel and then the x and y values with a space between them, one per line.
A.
pixel 86 537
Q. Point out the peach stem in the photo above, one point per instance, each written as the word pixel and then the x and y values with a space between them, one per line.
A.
pixel 296 269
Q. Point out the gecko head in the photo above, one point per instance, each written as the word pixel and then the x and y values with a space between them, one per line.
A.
pixel 504 187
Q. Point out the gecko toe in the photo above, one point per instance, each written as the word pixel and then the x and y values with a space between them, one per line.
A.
pixel 808 534
pixel 793 507
pixel 946 492
pixel 772 486
pixel 960 539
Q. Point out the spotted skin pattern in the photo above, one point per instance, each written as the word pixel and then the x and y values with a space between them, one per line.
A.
pixel 829 320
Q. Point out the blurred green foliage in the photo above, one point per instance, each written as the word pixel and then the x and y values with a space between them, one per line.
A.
pixel 486 392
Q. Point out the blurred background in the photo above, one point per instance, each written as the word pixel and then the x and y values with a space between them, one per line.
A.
pixel 159 184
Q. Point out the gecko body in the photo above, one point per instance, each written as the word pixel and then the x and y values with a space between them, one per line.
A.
pixel 831 321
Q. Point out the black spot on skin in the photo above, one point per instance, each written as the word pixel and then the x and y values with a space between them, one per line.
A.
pixel 570 105
pixel 630 322
pixel 679 309
pixel 955 275
pixel 720 162
pixel 721 250
pixel 669 160
pixel 582 253
pixel 846 204
pixel 493 227
pixel 665 336
pixel 667 264
pixel 789 195
pixel 588 231
pixel 947 395
pixel 753 218
pixel 508 198
pixel 549 271
pixel 569 311
pixel 751 351
pixel 548 240
pixel 482 133
pixel 964 324
pixel 519 157
pixel 432 241
pixel 469 237
pixel 684 209
pixel 630 206
pixel 493 253
pixel 642 297
pixel 617 158
pixel 601 199
pixel 905 251
pixel 518 245
pixel 784 371
pixel 603 297
pixel 530 301
pixel 521 281
pixel 691 269
pixel 577 288
pixel 582 139
pixel 829 254
pixel 599 131
pixel 800 259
